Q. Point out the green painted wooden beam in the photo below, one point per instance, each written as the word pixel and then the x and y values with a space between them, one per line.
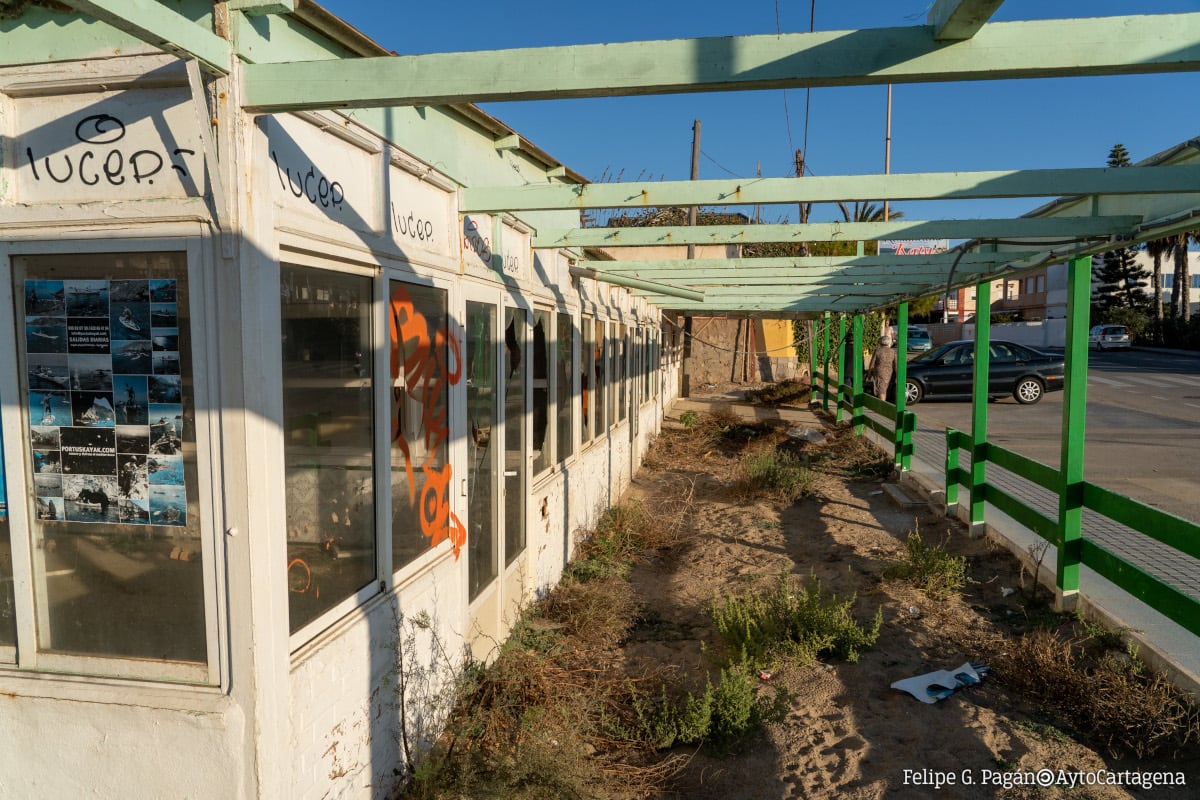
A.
pixel 775 277
pixel 665 291
pixel 1020 228
pixel 785 291
pixel 1001 50
pixel 827 189
pixel 956 20
pixel 156 24
pixel 257 8
pixel 818 264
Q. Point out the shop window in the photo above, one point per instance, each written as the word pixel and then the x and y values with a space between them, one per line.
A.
pixel 562 386
pixel 328 408
pixel 643 337
pixel 482 397
pixel 106 374
pixel 621 371
pixel 655 361
pixel 542 342
pixel 587 379
pixel 425 362
pixel 8 613
pixel 516 366
pixel 603 417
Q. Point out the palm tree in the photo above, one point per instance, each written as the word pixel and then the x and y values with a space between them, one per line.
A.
pixel 865 211
pixel 1181 305
pixel 1157 249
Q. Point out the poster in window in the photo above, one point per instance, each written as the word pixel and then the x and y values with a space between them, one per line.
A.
pixel 105 401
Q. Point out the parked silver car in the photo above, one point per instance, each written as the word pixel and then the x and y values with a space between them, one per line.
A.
pixel 1108 337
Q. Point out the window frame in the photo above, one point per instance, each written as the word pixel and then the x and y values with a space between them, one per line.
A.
pixel 456 419
pixel 193 242
pixel 565 397
pixel 550 441
pixel 380 450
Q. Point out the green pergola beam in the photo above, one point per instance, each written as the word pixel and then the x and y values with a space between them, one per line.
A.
pixel 818 264
pixel 158 25
pixel 663 290
pixel 956 20
pixel 818 189
pixel 786 292
pixel 774 277
pixel 257 8
pixel 873 56
pixel 1021 228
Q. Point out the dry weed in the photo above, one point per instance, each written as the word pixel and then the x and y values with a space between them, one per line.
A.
pixel 1111 697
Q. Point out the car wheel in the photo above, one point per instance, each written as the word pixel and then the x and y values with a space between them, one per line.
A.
pixel 1028 391
pixel 912 393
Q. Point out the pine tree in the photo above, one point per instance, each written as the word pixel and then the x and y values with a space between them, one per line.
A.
pixel 1118 280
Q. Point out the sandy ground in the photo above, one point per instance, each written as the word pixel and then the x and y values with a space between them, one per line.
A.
pixel 846 733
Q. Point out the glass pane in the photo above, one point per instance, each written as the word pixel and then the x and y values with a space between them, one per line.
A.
pixel 425 362
pixel 542 457
pixel 515 337
pixel 564 373
pixel 481 471
pixel 115 534
pixel 328 392
pixel 587 381
pixel 601 391
pixel 8 616
pixel 645 361
pixel 620 365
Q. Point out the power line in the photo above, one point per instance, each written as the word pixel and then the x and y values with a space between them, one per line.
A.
pixel 720 165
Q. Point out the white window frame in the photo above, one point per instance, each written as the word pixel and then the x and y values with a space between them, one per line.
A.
pixel 193 242
pixel 456 416
pixel 550 443
pixel 327 620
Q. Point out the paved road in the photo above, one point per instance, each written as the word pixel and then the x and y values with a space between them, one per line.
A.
pixel 1143 427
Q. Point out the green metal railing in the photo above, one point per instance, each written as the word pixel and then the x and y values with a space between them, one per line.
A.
pixel 1177 533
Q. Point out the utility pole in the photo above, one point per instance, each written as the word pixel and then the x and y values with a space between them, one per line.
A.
pixel 887 150
pixel 691 248
pixel 804 207
pixel 685 379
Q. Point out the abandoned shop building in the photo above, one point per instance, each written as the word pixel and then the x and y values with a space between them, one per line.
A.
pixel 270 395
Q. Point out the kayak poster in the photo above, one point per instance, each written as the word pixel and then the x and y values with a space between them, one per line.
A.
pixel 105 401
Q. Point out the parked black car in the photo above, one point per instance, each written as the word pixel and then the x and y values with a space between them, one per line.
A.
pixel 948 371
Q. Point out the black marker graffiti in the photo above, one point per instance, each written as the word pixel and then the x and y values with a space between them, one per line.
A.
pixel 411 226
pixel 114 165
pixel 480 245
pixel 311 185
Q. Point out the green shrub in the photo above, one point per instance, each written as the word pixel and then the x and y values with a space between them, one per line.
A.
pixel 931 569
pixel 689 419
pixel 792 619
pixel 776 472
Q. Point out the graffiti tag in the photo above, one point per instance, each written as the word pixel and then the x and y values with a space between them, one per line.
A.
pixel 419 356
pixel 105 158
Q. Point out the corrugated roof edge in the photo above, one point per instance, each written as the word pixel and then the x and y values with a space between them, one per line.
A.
pixel 350 37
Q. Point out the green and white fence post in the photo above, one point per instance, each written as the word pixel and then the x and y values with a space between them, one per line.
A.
pixel 979 403
pixel 825 366
pixel 841 370
pixel 901 379
pixel 1070 467
pixel 856 415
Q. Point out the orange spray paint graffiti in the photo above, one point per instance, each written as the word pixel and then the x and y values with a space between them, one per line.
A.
pixel 424 363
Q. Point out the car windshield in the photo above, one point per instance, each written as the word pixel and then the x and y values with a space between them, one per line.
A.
pixel 931 356
pixel 921 335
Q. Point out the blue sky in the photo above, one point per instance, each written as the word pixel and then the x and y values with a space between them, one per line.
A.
pixel 935 127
